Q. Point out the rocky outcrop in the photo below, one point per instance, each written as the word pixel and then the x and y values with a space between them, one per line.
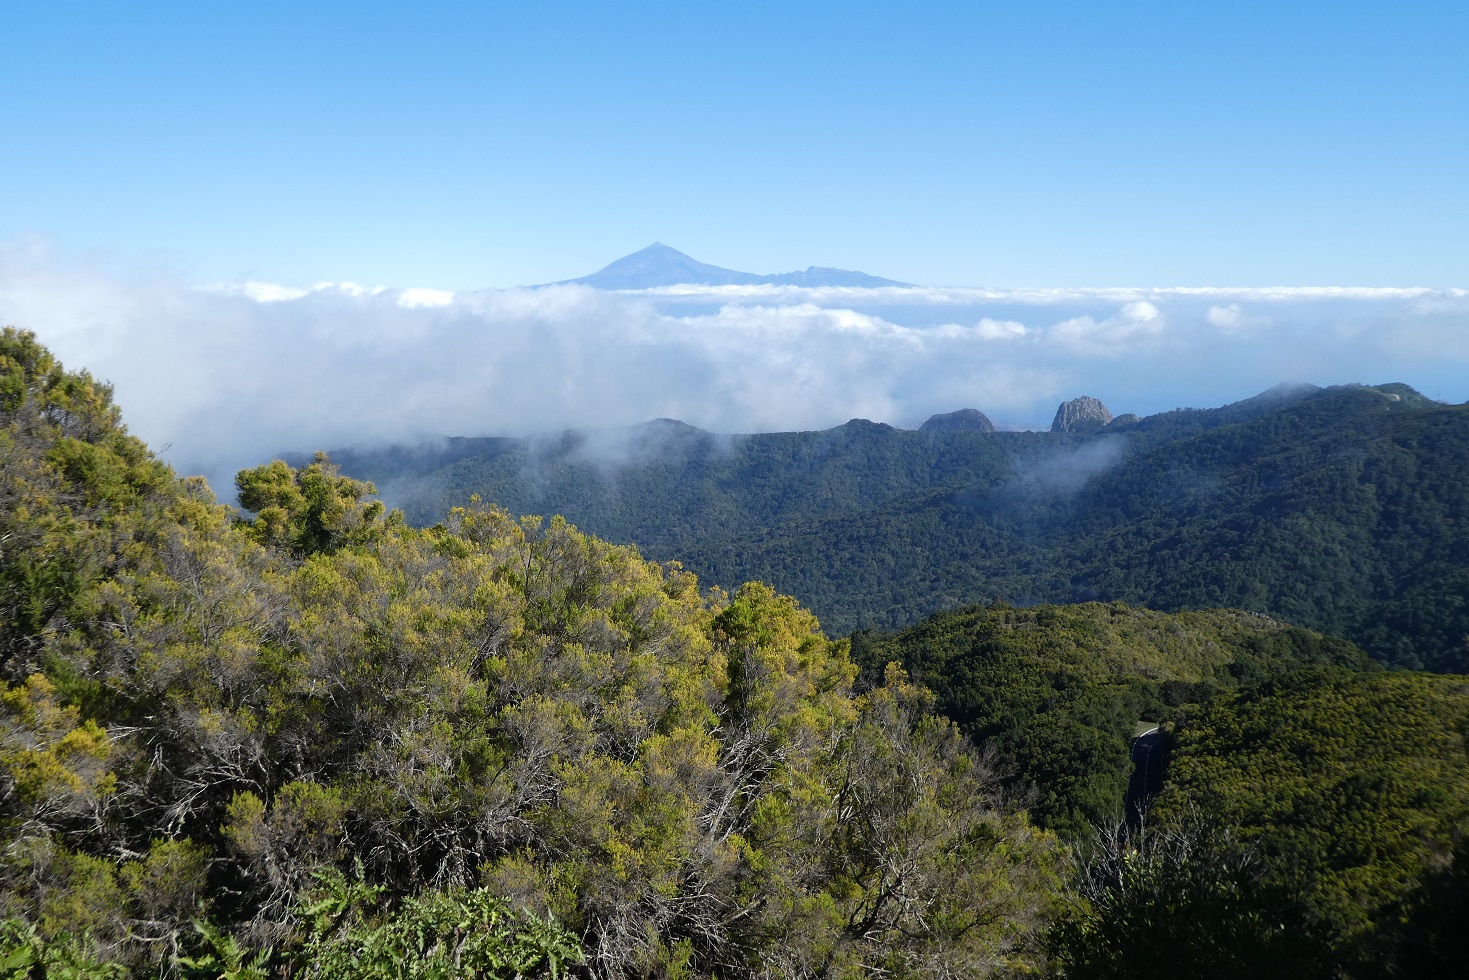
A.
pixel 966 419
pixel 1084 414
pixel 1125 419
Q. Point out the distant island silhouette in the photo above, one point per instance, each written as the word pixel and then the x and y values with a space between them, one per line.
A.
pixel 659 265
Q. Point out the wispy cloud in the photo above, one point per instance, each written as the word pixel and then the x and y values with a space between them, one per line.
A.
pixel 227 375
pixel 1114 336
pixel 1232 318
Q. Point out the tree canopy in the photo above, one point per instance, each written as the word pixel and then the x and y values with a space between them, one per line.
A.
pixel 211 717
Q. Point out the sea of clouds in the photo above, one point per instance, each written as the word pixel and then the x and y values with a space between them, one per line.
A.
pixel 221 376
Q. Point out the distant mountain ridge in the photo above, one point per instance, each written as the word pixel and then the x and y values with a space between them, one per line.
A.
pixel 1339 509
pixel 659 265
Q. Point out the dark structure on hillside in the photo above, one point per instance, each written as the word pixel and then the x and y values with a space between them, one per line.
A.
pixel 1147 774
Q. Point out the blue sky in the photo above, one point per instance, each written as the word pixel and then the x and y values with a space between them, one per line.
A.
pixel 191 191
pixel 460 146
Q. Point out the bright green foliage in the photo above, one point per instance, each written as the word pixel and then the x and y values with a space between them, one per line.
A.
pixel 449 935
pixel 308 511
pixel 1058 690
pixel 52 756
pixel 1351 787
pixel 223 958
pixel 76 492
pixel 26 954
pixel 208 714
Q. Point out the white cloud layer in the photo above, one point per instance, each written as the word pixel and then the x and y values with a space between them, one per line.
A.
pixel 225 376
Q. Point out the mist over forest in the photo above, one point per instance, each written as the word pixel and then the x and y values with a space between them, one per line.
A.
pixel 223 376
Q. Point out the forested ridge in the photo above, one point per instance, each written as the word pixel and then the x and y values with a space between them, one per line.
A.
pixel 309 739
pixel 1058 691
pixel 1313 815
pixel 1342 509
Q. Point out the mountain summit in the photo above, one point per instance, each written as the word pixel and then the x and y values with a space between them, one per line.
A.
pixel 1084 414
pixel 659 265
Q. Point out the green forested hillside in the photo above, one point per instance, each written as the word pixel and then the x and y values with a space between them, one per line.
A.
pixel 1350 785
pixel 1058 691
pixel 321 743
pixel 1345 509
pixel 668 486
pixel 1316 825
pixel 1313 818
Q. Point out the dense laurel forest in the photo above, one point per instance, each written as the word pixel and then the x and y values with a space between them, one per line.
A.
pixel 1342 509
pixel 311 739
pixel 1313 818
pixel 1057 692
